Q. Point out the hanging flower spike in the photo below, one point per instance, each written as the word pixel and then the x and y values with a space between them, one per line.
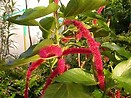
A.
pixel 60 69
pixel 77 50
pixel 50 51
pixel 48 81
pixel 32 67
pixel 93 46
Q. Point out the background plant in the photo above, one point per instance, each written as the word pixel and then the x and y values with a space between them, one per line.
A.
pixel 7 8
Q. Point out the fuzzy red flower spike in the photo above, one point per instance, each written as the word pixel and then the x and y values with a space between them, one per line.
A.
pixel 94 48
pixel 50 51
pixel 32 67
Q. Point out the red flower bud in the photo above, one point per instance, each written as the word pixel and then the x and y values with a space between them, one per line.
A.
pixel 118 94
pixel 100 9
pixel 61 66
pixel 94 21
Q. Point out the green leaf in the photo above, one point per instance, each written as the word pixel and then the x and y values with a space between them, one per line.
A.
pixel 45 26
pixel 123 68
pixel 120 50
pixel 28 52
pixel 44 43
pixel 19 62
pixel 75 7
pixel 33 50
pixel 68 90
pixel 94 15
pixel 99 31
pixel 97 94
pixel 122 73
pixel 124 83
pixel 38 12
pixel 20 22
pixel 50 1
pixel 77 75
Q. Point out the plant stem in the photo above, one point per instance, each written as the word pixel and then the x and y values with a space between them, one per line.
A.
pixel 26 4
pixel 56 27
pixel 79 60
pixel 56 24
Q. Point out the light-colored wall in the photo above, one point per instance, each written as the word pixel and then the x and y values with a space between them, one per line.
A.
pixel 35 32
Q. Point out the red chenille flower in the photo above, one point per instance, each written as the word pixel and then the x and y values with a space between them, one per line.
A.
pixel 94 48
pixel 32 67
pixel 100 9
pixel 76 50
pixel 60 69
pixel 50 51
pixel 48 81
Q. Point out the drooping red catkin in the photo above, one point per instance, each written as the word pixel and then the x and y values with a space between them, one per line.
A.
pixel 32 67
pixel 50 51
pixel 60 69
pixel 48 81
pixel 97 58
pixel 94 48
pixel 76 50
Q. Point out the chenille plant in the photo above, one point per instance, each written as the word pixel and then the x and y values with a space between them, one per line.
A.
pixel 82 64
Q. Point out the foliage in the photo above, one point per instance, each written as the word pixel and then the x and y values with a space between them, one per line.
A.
pixel 5 27
pixel 119 14
pixel 80 60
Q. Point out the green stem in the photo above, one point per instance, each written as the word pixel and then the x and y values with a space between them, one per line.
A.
pixel 56 27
